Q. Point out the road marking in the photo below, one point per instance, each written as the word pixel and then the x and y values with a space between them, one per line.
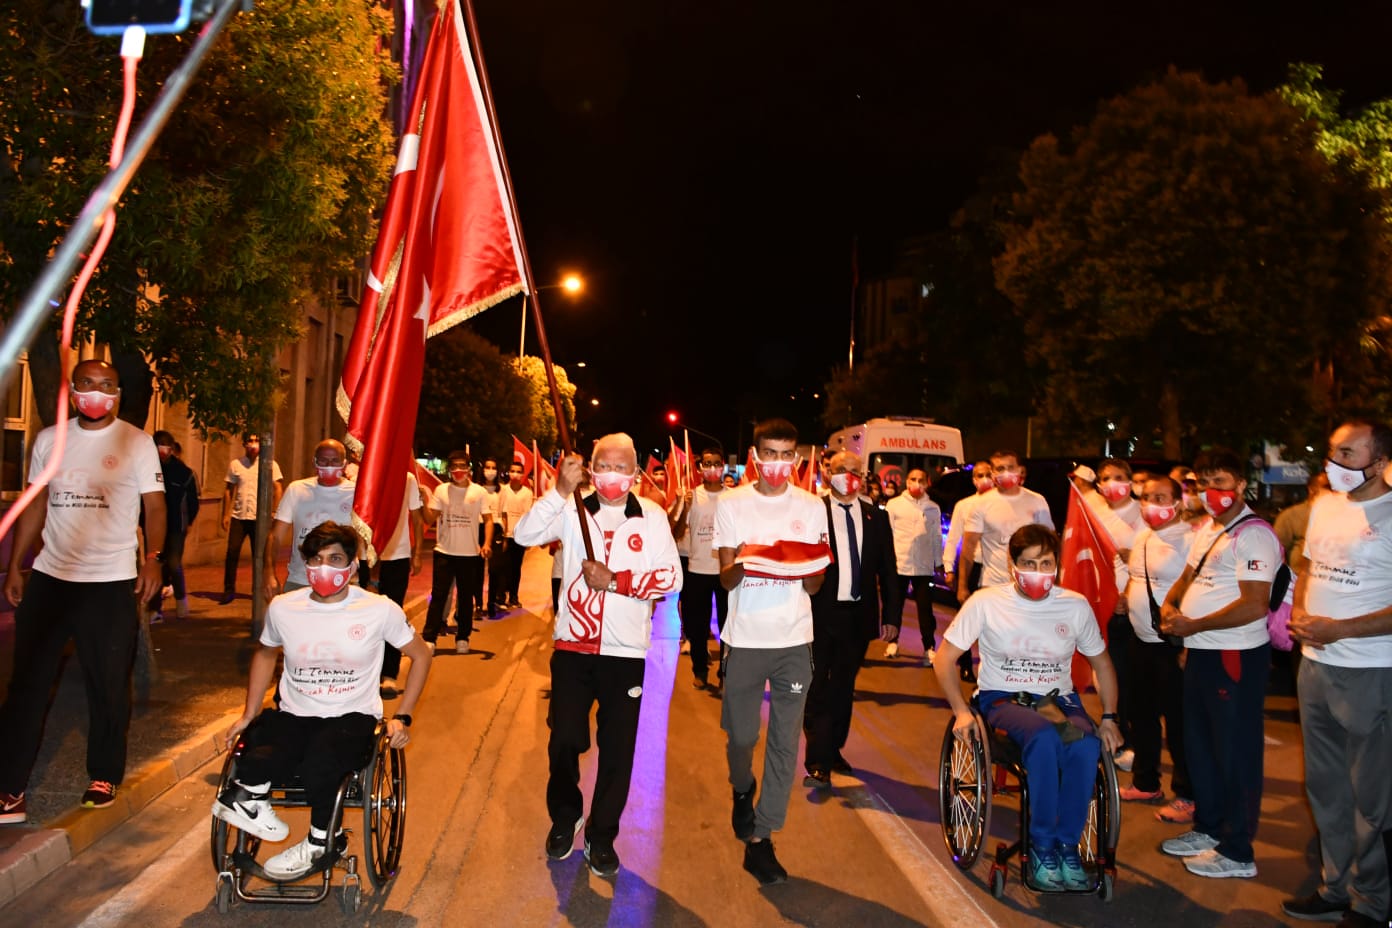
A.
pixel 154 880
pixel 951 903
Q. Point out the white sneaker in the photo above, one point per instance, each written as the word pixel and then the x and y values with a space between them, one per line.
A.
pixel 461 646
pixel 1124 759
pixel 1189 844
pixel 248 809
pixel 892 649
pixel 928 659
pixel 1215 865
pixel 294 862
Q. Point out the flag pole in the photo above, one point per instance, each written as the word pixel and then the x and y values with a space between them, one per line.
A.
pixel 562 428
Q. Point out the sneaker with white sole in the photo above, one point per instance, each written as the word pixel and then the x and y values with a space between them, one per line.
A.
pixel 1189 844
pixel 297 860
pixel 1216 866
pixel 12 809
pixel 1178 812
pixel 249 808
pixel 560 840
pixel 461 646
pixel 1124 759
pixel 99 795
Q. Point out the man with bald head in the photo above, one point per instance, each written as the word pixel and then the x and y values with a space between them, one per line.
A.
pixel 325 497
pixel 603 628
pixel 85 583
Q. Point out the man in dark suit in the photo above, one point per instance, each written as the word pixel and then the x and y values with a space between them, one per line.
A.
pixel 846 615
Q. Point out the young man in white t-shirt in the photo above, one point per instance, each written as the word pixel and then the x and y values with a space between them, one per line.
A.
pixel 1120 516
pixel 514 499
pixel 81 584
pixel 325 497
pixel 1027 633
pixel 782 529
pixel 984 481
pixel 1159 554
pixel 239 508
pixel 1342 617
pixel 1219 607
pixel 462 512
pixel 331 636
pixel 695 526
pixel 995 518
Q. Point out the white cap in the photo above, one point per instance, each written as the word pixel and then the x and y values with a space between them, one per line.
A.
pixel 1087 473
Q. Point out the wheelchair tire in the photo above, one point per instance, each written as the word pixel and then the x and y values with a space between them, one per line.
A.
pixel 384 813
pixel 351 900
pixel 964 795
pixel 998 882
pixel 1103 829
pixel 224 896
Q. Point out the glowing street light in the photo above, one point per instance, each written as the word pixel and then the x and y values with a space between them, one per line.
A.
pixel 571 283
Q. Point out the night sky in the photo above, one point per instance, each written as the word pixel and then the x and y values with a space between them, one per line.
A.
pixel 707 166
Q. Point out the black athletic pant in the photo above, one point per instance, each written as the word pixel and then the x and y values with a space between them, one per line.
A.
pixel 466 574
pixel 1158 693
pixel 238 530
pixel 320 751
pixel 578 681
pixel 100 618
pixel 393 577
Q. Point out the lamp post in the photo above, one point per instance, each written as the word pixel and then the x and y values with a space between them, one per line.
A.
pixel 673 419
pixel 571 283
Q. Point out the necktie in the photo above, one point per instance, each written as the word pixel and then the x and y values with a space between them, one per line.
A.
pixel 855 550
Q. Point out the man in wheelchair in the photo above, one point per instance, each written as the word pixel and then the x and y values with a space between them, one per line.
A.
pixel 1028 632
pixel 332 635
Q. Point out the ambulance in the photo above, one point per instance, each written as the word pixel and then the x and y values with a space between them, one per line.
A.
pixel 892 446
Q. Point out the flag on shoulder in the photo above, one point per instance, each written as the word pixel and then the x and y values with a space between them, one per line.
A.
pixel 1085 566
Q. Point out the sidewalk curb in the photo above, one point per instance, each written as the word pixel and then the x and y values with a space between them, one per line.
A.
pixel 44 849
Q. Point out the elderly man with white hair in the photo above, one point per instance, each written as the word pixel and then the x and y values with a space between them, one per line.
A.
pixel 603 628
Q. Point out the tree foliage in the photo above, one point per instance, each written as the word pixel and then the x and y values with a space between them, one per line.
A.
pixel 263 185
pixel 540 406
pixel 470 395
pixel 1185 262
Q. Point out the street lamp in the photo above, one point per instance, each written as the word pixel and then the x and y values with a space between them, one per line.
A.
pixel 674 419
pixel 571 283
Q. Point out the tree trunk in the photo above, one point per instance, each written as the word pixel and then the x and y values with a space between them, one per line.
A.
pixel 1169 421
pixel 45 372
pixel 137 386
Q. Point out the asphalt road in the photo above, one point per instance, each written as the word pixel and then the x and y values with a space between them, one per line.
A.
pixel 868 853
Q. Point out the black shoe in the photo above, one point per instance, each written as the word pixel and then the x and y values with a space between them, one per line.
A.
pixel 742 817
pixel 842 766
pixel 699 682
pixel 760 861
pixel 1314 908
pixel 1354 919
pixel 560 840
pixel 817 778
pixel 602 858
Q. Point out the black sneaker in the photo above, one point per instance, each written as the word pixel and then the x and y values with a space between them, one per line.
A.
pixel 1354 919
pixel 842 766
pixel 742 816
pixel 1314 908
pixel 602 858
pixel 817 778
pixel 760 861
pixel 560 840
pixel 99 795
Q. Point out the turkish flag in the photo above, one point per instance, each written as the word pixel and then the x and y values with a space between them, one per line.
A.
pixel 521 454
pixel 1085 566
pixel 446 250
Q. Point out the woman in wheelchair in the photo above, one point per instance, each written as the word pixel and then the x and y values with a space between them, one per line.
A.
pixel 1027 633
pixel 332 635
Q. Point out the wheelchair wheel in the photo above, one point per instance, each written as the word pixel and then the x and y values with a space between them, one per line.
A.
pixel 1103 828
pixel 224 896
pixel 964 794
pixel 384 813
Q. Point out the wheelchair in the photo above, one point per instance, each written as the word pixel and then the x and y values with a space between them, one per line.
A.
pixel 971 772
pixel 378 789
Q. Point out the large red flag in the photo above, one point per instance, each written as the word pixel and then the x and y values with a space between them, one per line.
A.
pixel 1085 566
pixel 521 454
pixel 446 250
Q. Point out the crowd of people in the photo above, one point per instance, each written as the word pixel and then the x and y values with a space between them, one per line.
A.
pixel 799 584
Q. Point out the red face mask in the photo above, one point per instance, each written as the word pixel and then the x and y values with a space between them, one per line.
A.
pixel 458 476
pixel 1033 584
pixel 916 491
pixel 326 579
pixel 1156 516
pixel 612 485
pixel 846 484
pixel 1218 502
pixel 712 474
pixel 1008 480
pixel 774 473
pixel 93 404
pixel 1114 491
pixel 329 476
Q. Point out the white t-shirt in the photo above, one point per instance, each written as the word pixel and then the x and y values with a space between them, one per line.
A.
pixel 917 528
pixel 333 651
pixel 1026 645
pixel 703 558
pixel 956 528
pixel 1121 525
pixel 1349 547
pixel 1250 553
pixel 995 519
pixel 767 612
pixel 461 513
pixel 399 545
pixel 242 477
pixel 513 505
pixel 1165 554
pixel 94 500
pixel 306 504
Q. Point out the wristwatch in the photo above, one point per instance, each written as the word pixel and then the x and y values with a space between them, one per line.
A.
pixel 1109 716
pixel 403 718
pixel 613 586
pixel 155 556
